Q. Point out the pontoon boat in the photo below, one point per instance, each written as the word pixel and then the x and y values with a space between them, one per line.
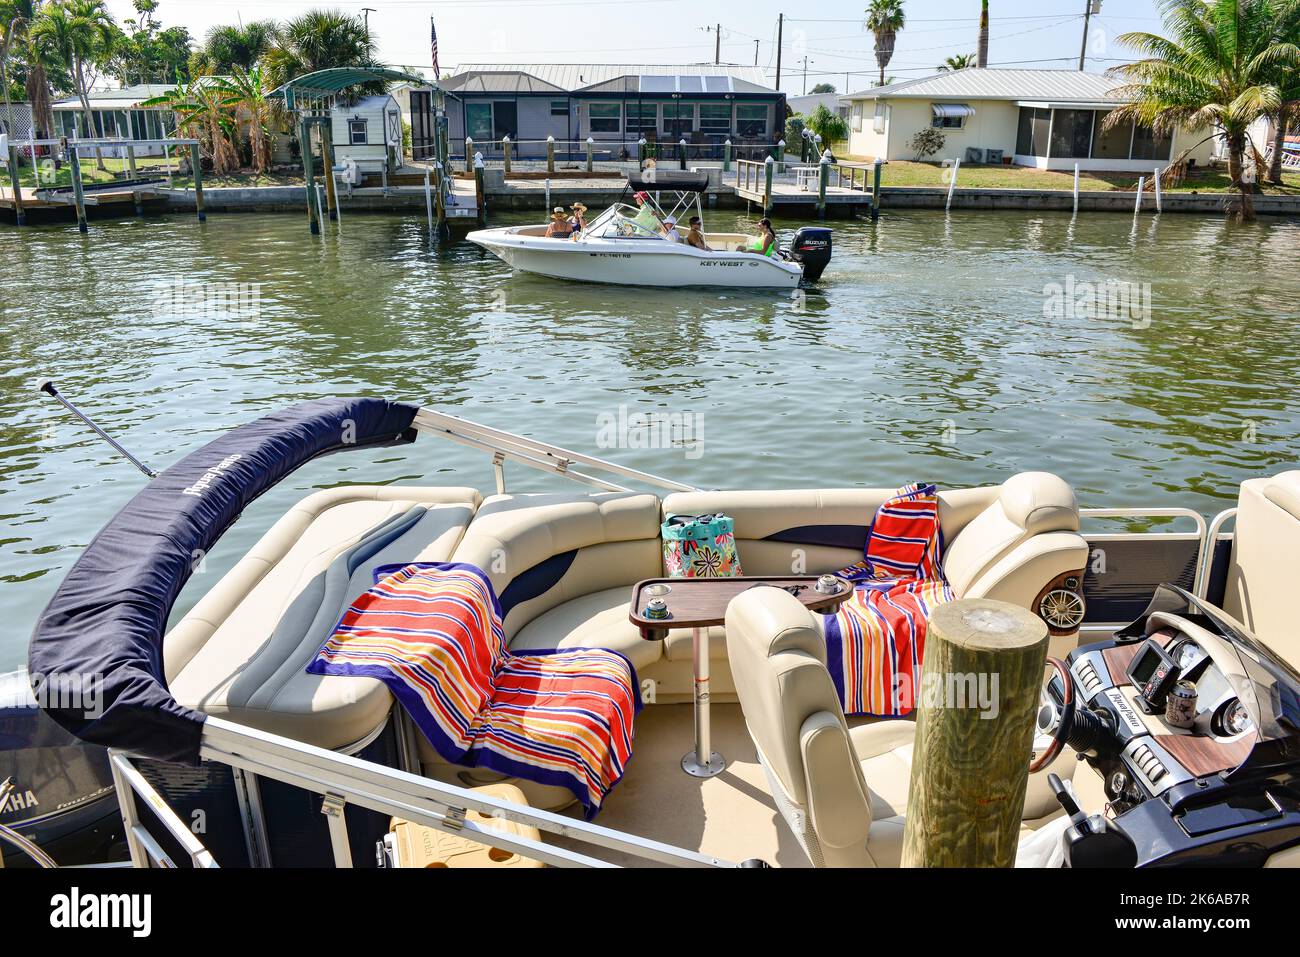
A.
pixel 624 245
pixel 219 713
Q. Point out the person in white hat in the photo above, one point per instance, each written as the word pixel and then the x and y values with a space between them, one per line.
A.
pixel 670 232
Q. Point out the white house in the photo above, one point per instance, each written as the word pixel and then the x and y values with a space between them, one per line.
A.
pixel 1047 119
pixel 367 131
pixel 118 114
pixel 806 105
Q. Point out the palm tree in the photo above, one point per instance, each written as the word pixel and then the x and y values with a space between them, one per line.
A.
pixel 1288 31
pixel 318 40
pixel 235 46
pixel 15 15
pixel 959 61
pixel 885 19
pixel 828 125
pixel 1218 69
pixel 201 113
pixel 78 34
pixel 247 95
pixel 982 60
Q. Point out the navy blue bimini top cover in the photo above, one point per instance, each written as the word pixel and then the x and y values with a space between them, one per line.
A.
pixel 100 637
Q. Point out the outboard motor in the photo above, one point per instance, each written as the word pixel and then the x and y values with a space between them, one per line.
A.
pixel 811 249
pixel 62 796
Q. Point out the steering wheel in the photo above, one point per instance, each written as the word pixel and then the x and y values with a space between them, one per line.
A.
pixel 1054 721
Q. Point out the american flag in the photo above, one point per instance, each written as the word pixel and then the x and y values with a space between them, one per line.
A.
pixel 433 47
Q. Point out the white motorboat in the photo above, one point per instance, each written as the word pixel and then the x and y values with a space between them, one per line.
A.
pixel 623 246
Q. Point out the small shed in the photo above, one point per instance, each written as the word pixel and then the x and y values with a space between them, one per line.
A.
pixel 368 131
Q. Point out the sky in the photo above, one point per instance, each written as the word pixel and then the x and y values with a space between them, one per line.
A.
pixel 1046 33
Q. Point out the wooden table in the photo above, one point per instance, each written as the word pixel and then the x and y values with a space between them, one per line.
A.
pixel 697 604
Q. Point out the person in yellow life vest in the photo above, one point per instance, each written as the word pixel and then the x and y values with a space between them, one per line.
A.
pixel 765 242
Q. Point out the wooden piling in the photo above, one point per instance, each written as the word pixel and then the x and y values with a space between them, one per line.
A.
pixel 823 180
pixel 726 156
pixel 440 200
pixel 682 146
pixel 309 176
pixel 327 170
pixel 505 153
pixel 875 189
pixel 975 711
pixel 469 154
pixel 550 155
pixel 78 193
pixel 480 195
pixel 768 168
pixel 590 157
pixel 20 213
pixel 197 164
pixel 130 161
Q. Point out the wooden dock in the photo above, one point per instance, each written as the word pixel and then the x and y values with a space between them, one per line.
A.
pixel 847 187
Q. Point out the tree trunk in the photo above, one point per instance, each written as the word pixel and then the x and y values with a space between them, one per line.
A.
pixel 1236 169
pixel 1279 145
pixel 80 80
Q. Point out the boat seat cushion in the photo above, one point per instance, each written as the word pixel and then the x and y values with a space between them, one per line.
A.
pixel 1261 575
pixel 597 620
pixel 241 652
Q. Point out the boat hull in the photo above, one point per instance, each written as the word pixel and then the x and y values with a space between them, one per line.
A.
pixel 636 262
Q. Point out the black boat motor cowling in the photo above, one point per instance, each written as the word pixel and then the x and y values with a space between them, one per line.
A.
pixel 811 249
pixel 62 797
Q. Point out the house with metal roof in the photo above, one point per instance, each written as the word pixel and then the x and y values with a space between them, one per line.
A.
pixel 1047 119
pixel 117 114
pixel 616 105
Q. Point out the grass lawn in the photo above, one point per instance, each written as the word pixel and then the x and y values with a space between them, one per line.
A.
pixel 148 166
pixel 905 173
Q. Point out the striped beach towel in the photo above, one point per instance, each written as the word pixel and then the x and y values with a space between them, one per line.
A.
pixel 432 633
pixel 875 642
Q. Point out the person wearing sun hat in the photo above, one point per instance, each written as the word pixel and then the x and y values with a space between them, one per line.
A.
pixel 578 221
pixel 559 227
pixel 670 232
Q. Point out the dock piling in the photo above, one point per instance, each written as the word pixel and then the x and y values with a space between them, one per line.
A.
pixel 469 154
pixel 1160 203
pixel 308 176
pixel 550 159
pixel 769 167
pixel 480 195
pixel 726 156
pixel 875 189
pixel 823 180
pixel 780 156
pixel 505 153
pixel 590 158
pixel 428 200
pixel 952 184
pixel 20 214
pixel 327 170
pixel 78 193
pixel 1142 184
pixel 682 145
pixel 130 160
pixel 440 202
pixel 1076 187
pixel 197 164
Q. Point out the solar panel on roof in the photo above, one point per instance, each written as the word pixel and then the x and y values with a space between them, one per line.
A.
pixel 717 84
pixel 658 84
pixel 691 84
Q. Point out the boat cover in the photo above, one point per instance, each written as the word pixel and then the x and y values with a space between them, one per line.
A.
pixel 677 180
pixel 96 660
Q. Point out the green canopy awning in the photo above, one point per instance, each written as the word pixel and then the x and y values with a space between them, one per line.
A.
pixel 326 83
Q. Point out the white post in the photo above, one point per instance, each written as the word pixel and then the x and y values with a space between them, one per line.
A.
pixel 1142 184
pixel 548 195
pixel 1076 187
pixel 952 185
pixel 428 200
pixel 1160 203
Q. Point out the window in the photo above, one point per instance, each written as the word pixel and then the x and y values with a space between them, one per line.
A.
pixel 642 117
pixel 1148 146
pixel 1112 143
pixel 357 135
pixel 751 119
pixel 606 117
pixel 1031 138
pixel 948 122
pixel 1072 134
pixel 878 123
pixel 715 117
pixel 478 121
pixel 559 107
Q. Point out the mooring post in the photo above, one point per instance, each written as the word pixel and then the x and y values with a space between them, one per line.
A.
pixel 1142 184
pixel 726 156
pixel 590 157
pixel 550 157
pixel 975 711
pixel 769 166
pixel 480 195
pixel 1160 202
pixel 78 193
pixel 327 170
pixel 309 177
pixel 823 180
pixel 469 154
pixel 440 202
pixel 952 185
pixel 135 193
pixel 505 153
pixel 20 214
pixel 1076 187
pixel 130 160
pixel 780 156
pixel 875 189
pixel 682 145
pixel 199 208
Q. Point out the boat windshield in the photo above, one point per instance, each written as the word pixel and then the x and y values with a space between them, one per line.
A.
pixel 621 221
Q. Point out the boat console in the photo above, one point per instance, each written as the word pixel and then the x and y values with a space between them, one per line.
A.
pixel 1194 729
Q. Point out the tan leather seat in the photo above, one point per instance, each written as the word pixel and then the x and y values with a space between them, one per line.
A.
pixel 241 651
pixel 843 792
pixel 1265 554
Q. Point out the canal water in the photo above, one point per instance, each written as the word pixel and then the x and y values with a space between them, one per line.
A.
pixel 1149 362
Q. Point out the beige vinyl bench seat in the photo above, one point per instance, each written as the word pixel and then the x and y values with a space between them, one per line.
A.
pixel 241 652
